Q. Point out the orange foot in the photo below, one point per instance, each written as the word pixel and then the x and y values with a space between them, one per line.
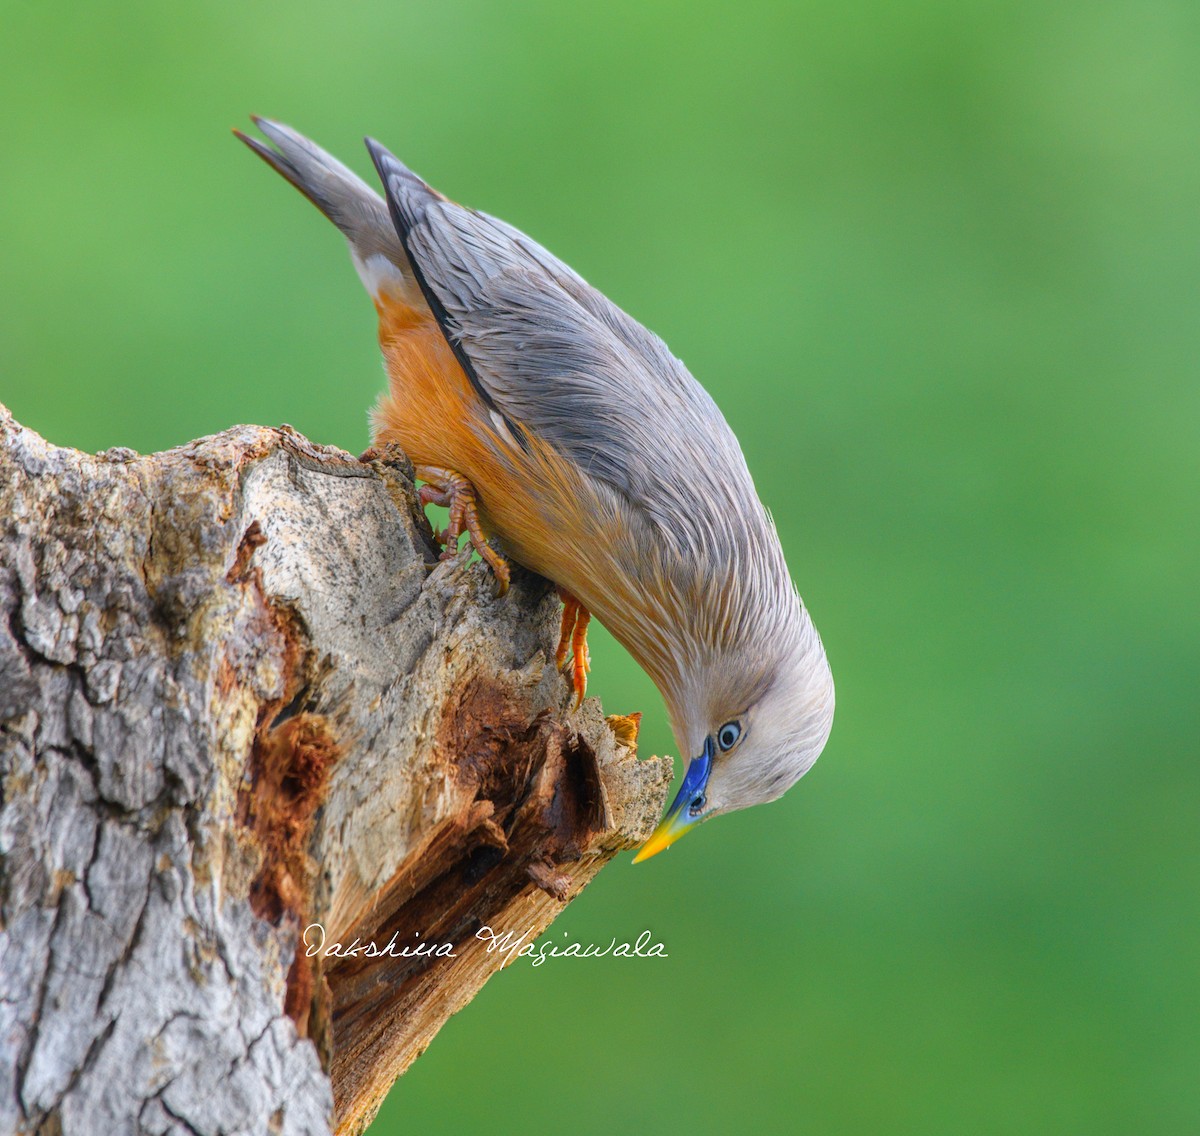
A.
pixel 454 492
pixel 573 639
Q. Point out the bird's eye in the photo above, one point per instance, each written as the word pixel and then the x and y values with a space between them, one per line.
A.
pixel 697 805
pixel 728 735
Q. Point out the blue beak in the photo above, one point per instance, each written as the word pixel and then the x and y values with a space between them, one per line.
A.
pixel 679 818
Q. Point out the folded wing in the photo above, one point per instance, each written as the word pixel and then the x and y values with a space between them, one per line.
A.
pixel 560 361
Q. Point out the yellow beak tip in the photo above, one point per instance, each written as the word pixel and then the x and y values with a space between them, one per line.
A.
pixel 646 851
pixel 662 838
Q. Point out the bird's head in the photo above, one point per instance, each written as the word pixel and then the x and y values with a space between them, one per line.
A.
pixel 754 725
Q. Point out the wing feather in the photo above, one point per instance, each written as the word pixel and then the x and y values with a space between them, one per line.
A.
pixel 556 358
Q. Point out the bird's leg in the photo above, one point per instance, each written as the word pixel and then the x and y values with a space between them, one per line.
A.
pixel 570 611
pixel 428 495
pixel 451 490
pixel 572 639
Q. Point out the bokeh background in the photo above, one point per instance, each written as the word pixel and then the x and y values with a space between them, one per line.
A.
pixel 939 263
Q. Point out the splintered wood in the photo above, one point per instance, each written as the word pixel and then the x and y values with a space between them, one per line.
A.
pixel 245 714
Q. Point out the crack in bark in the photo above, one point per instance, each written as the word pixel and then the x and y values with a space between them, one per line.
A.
pixel 38 1016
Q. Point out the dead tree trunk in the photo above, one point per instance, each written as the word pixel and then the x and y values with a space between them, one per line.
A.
pixel 237 698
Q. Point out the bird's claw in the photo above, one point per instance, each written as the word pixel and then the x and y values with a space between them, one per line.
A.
pixel 452 491
pixel 572 640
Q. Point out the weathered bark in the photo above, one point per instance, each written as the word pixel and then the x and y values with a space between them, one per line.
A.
pixel 238 698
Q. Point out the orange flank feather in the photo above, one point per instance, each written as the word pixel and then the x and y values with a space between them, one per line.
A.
pixel 434 414
pixel 429 397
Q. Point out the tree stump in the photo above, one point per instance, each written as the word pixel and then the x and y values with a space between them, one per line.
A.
pixel 239 697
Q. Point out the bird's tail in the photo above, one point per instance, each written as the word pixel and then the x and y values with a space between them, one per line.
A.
pixel 352 205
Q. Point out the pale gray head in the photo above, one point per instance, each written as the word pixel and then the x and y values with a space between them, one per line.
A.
pixel 752 698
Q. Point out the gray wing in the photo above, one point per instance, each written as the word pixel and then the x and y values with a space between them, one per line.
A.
pixel 558 359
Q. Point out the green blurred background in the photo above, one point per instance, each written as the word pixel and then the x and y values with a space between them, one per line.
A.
pixel 939 264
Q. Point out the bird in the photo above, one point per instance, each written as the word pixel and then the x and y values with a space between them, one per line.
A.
pixel 542 414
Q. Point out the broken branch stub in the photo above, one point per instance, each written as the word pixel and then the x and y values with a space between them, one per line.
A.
pixel 239 696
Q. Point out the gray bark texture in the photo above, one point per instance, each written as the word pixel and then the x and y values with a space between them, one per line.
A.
pixel 239 695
